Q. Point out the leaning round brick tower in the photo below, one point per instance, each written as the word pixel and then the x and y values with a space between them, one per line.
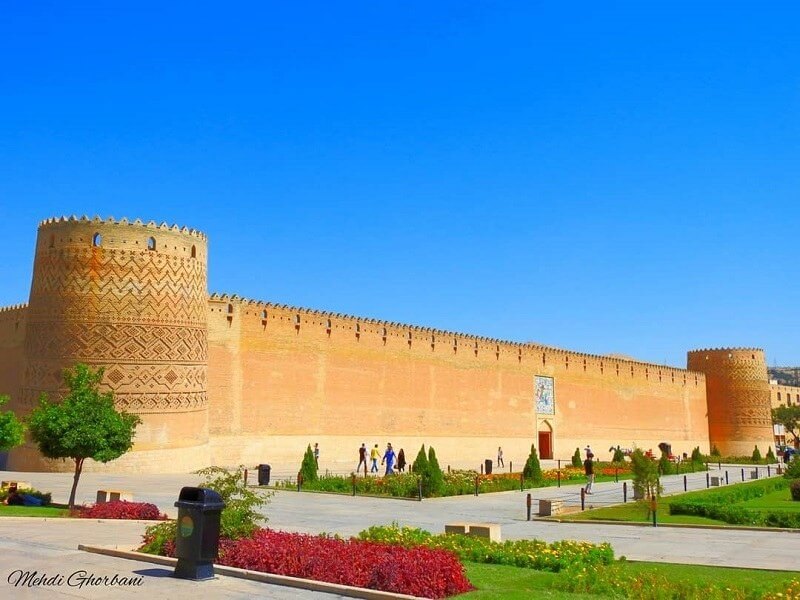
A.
pixel 132 298
pixel 737 392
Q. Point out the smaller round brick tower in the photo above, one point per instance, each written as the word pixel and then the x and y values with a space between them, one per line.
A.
pixel 737 392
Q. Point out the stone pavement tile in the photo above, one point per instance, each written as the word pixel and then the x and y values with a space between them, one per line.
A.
pixel 32 545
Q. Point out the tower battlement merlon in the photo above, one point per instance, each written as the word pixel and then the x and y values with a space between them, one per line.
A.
pixel 84 235
pixel 151 225
pixel 12 312
pixel 442 336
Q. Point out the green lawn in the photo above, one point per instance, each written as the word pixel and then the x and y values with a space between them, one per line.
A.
pixel 501 582
pixel 636 512
pixel 32 511
pixel 513 583
pixel 777 500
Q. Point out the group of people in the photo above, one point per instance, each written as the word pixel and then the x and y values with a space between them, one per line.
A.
pixel 389 459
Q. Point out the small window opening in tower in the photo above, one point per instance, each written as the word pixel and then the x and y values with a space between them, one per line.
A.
pixel 151 243
pixel 97 240
pixel 264 314
pixel 194 252
pixel 230 309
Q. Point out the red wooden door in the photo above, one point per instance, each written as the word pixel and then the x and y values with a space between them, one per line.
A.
pixel 545 444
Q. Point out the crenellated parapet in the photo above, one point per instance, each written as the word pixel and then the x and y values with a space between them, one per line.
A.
pixel 443 342
pixel 738 397
pixel 13 311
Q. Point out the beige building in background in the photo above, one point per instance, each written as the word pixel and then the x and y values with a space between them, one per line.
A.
pixel 223 380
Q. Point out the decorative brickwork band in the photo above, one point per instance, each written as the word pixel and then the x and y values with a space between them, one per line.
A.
pixel 129 297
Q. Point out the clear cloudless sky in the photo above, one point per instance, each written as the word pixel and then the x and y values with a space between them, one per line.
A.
pixel 603 177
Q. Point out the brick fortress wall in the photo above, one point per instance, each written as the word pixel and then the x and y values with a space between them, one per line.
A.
pixel 283 377
pixel 225 380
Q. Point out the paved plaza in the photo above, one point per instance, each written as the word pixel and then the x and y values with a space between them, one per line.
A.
pixel 51 545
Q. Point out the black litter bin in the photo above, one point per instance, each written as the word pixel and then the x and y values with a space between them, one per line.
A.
pixel 487 466
pixel 263 474
pixel 197 539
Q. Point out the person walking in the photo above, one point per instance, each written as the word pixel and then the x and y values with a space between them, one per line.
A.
pixel 401 461
pixel 362 458
pixel 500 462
pixel 588 468
pixel 374 455
pixel 388 458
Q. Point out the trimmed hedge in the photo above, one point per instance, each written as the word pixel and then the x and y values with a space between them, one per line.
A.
pixel 722 505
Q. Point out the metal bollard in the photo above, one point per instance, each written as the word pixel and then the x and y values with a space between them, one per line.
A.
pixel 685 484
pixel 448 468
pixel 510 464
pixel 726 478
pixel 476 485
pixel 742 474
pixel 419 488
pixel 521 481
pixel 481 468
pixel 583 499
pixel 708 480
pixel 245 478
pixel 756 472
pixel 719 466
pixel 353 479
pixel 558 473
pixel 528 502
pixel 624 491
pixel 654 509
pixel 768 472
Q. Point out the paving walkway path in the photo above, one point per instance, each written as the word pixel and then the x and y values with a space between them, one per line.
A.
pixel 51 544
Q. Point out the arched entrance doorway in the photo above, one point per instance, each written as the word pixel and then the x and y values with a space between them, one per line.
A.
pixel 545 440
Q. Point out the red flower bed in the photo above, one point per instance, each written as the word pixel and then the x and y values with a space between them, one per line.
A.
pixel 418 571
pixel 120 509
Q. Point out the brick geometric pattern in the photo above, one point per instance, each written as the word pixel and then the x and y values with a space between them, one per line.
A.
pixel 737 388
pixel 140 314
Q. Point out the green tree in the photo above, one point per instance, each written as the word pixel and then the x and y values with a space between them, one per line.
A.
pixel 646 482
pixel 533 470
pixel 756 455
pixel 789 417
pixel 12 431
pixel 793 468
pixel 697 456
pixel 665 465
pixel 435 475
pixel 83 425
pixel 308 468
pixel 770 455
pixel 422 470
pixel 715 451
pixel 576 458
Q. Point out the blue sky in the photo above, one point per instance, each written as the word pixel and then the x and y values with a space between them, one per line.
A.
pixel 602 177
